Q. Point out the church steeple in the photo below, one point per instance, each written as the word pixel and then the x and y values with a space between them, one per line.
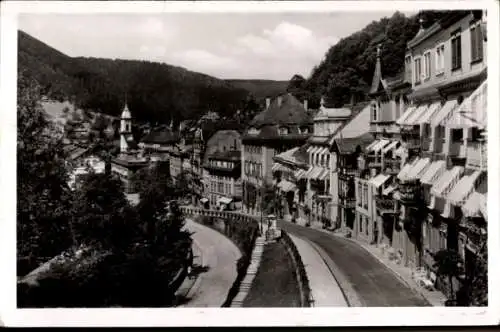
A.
pixel 125 129
pixel 377 75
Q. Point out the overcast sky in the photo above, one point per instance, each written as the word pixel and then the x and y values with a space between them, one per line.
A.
pixel 264 46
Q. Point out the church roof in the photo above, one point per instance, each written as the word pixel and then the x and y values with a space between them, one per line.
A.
pixel 126 113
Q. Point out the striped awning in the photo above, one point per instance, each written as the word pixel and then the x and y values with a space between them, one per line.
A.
pixel 443 112
pixel 316 172
pixel 310 148
pixel 277 167
pixel 414 119
pixel 325 174
pixel 370 147
pixel 380 145
pixel 389 147
pixel 388 190
pixel 379 180
pixel 446 180
pixel 299 174
pixel 460 191
pixel 435 170
pixel 322 150
pixel 406 168
pixel 472 112
pixel 204 200
pixel 417 170
pixel 405 115
pixel 429 113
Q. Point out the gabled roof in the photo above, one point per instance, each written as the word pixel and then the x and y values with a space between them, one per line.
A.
pixel 289 111
pixel 349 145
pixel 161 136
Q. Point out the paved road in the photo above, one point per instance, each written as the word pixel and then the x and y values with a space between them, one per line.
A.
pixel 219 255
pixel 374 284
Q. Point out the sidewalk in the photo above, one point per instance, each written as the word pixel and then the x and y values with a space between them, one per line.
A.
pixel 325 289
pixel 435 298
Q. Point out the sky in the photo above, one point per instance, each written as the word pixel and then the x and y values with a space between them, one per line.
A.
pixel 225 45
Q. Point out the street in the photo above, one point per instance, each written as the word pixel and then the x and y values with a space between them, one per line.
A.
pixel 374 283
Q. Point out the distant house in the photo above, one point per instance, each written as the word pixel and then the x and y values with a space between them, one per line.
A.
pixel 83 168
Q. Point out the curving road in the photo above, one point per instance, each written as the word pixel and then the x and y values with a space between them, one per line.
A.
pixel 374 284
pixel 219 256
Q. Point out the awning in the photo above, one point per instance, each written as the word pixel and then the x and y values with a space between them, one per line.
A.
pixel 392 145
pixel 472 112
pixel 316 172
pixel 379 180
pixel 277 167
pixel 406 168
pixel 405 115
pixel 204 200
pixel 380 145
pixel 310 148
pixel 419 167
pixel 315 149
pixel 323 150
pixel 429 113
pixel 324 175
pixel 435 170
pixel 443 112
pixel 299 174
pixel 461 190
pixel 388 190
pixel 472 205
pixel 414 119
pixel 224 200
pixel 446 180
pixel 370 147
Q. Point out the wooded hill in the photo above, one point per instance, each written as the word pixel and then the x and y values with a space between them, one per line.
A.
pixel 155 92
pixel 348 66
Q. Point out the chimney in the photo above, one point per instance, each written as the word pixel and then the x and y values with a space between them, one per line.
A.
pixel 305 104
pixel 268 102
pixel 279 101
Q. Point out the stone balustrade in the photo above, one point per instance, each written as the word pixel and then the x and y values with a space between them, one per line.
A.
pixel 231 215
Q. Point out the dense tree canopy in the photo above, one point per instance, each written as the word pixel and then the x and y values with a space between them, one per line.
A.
pixel 348 66
pixel 43 196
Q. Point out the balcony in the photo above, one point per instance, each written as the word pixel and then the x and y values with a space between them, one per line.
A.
pixel 385 205
pixel 477 156
pixel 409 192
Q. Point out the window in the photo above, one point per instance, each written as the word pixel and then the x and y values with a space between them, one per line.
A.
pixel 408 68
pixel 476 41
pixel 418 70
pixel 440 59
pixel 427 65
pixel 456 51
pixel 374 112
pixel 457 135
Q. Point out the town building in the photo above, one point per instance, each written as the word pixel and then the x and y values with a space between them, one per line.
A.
pixel 443 184
pixel 380 160
pixel 130 160
pixel 158 142
pixel 222 171
pixel 284 124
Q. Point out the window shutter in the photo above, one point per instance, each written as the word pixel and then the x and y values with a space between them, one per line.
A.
pixel 479 42
pixel 473 43
pixel 459 52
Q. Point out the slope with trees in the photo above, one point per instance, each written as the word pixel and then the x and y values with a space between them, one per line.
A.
pixel 348 66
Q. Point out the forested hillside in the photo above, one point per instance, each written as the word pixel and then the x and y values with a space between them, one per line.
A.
pixel 347 69
pixel 261 89
pixel 155 92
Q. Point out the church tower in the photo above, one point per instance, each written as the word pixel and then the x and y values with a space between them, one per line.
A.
pixel 125 130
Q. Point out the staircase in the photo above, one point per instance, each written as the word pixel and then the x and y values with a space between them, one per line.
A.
pixel 252 269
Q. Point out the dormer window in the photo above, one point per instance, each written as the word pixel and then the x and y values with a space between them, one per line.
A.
pixel 283 131
pixel 303 130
